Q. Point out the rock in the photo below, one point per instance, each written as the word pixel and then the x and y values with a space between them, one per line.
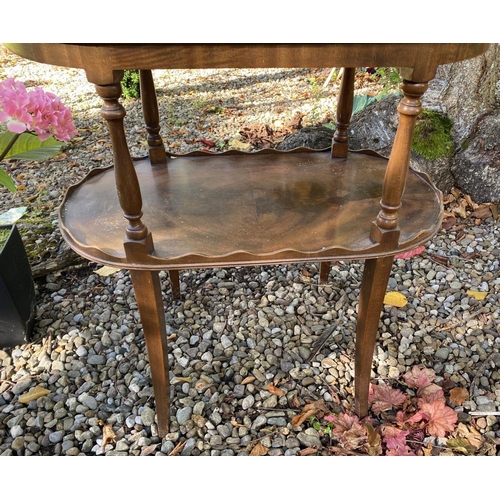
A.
pixel 476 166
pixel 148 416
pixel 183 415
pixel 309 438
pixel 308 137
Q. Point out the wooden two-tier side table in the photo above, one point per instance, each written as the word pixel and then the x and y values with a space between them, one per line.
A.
pixel 167 212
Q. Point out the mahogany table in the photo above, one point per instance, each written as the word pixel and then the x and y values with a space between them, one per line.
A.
pixel 267 207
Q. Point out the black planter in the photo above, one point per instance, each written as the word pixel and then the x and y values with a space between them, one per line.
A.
pixel 17 293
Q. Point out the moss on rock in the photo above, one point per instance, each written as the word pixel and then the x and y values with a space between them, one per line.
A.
pixel 432 137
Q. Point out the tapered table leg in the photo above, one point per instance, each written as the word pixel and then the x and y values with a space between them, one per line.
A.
pixel 324 272
pixel 373 287
pixel 175 283
pixel 149 300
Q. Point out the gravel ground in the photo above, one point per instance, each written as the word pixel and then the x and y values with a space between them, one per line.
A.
pixel 237 334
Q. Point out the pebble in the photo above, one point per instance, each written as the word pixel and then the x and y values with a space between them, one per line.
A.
pixel 234 332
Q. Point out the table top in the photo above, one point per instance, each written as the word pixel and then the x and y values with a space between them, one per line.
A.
pixel 422 59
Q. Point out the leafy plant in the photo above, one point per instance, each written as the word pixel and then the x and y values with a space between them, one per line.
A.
pixel 398 422
pixel 131 88
pixel 389 78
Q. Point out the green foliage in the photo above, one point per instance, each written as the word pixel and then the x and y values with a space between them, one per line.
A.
pixel 29 147
pixel 362 101
pixel 389 78
pixel 432 137
pixel 131 88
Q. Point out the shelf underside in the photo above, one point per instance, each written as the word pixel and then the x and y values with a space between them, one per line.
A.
pixel 244 209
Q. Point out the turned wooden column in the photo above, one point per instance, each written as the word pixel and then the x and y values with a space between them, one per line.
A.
pixel 127 184
pixel 340 143
pixel 157 153
pixel 385 228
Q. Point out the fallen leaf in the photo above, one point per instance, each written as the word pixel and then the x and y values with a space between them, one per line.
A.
pixel 309 410
pixel 461 444
pixel 236 424
pixel 482 212
pixel 247 380
pixel 258 450
pixel 108 435
pixel 448 223
pixel 440 418
pixel 307 451
pixel 236 144
pixel 395 299
pixel 458 395
pixel 35 393
pixel 385 398
pixel 419 377
pixel 410 253
pixel 374 445
pixel 149 449
pixel 207 143
pixel 202 384
pixel 473 436
pixel 477 295
pixel 275 390
pixel 178 448
pixel 106 271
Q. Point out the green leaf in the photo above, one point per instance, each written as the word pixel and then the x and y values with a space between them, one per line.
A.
pixel 5 180
pixel 361 102
pixel 30 147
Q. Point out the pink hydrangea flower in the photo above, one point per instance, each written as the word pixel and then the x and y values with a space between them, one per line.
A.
pixel 37 111
pixel 13 106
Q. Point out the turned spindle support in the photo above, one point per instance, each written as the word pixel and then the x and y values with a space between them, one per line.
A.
pixel 397 168
pixel 340 142
pixel 157 153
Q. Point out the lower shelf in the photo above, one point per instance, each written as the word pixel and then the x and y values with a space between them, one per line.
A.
pixel 248 208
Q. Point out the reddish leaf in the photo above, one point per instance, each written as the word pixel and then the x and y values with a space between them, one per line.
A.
pixel 348 431
pixel 410 253
pixel 419 378
pixel 207 143
pixel 385 398
pixel 431 393
pixel 440 418
pixel 394 437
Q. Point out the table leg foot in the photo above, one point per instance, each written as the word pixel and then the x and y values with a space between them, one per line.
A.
pixel 150 303
pixel 374 285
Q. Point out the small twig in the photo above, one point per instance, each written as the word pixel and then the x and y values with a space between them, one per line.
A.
pixel 321 341
pixel 480 372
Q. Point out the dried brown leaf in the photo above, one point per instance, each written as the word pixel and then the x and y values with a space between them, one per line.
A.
pixel 307 451
pixel 482 212
pixel 458 395
pixel 178 448
pixel 258 450
pixel 108 435
pixel 275 390
pixel 374 445
pixel 247 380
pixel 149 449
pixel 35 393
pixel 473 436
pixel 317 408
